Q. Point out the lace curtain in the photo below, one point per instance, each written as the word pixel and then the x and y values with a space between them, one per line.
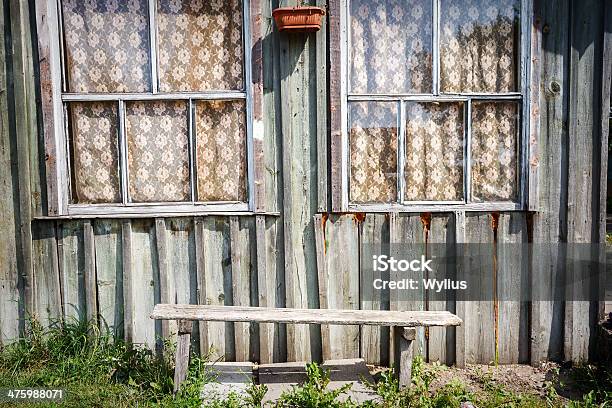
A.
pixel 221 150
pixel 158 151
pixel 434 152
pixel 96 153
pixel 373 152
pixel 391 46
pixel 200 45
pixel 107 45
pixel 478 45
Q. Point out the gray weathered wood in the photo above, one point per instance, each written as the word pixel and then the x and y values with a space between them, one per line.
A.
pixel 242 272
pixel 549 222
pixel 322 112
pixel 109 275
pixel 166 286
pixel 480 318
pixel 512 286
pixel 128 281
pixel 72 263
pixel 214 284
pixel 374 236
pixel 335 102
pixel 182 354
pixel 460 304
pixel 338 267
pixel 441 244
pixel 308 316
pixel 144 280
pixel 90 281
pixel 46 289
pixel 299 130
pixel 270 284
pixel 404 338
pixel 583 161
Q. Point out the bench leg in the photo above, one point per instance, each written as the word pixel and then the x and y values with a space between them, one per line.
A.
pixel 182 353
pixel 404 343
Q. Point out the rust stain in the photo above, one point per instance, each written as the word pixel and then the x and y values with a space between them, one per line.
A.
pixel 359 217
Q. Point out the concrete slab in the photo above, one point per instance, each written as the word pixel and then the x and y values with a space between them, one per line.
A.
pixel 280 378
pixel 230 378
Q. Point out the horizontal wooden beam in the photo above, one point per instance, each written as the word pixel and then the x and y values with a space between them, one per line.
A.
pixel 304 316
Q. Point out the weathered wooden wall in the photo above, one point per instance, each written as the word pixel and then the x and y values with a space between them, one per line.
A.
pixel 306 257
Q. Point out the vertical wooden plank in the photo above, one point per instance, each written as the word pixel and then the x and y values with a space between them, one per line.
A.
pixel 72 265
pixel 9 258
pixel 109 275
pixel 549 223
pixel 89 255
pixel 408 242
pixel 241 236
pixel 335 103
pixel 270 282
pixel 460 302
pixel 46 285
pixel 215 284
pixel 166 284
pixel 583 161
pixel 535 89
pixel 257 84
pixel 512 286
pixel 440 245
pixel 180 276
pixel 299 132
pixel 144 277
pixel 479 317
pixel 321 112
pixel 128 281
pixel 374 236
pixel 338 264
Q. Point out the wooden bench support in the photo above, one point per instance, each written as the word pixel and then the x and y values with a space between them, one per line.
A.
pixel 404 341
pixel 182 353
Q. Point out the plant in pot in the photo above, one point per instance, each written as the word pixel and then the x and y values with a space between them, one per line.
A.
pixel 300 19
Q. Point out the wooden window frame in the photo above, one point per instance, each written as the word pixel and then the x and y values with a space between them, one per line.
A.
pixel 53 103
pixel 527 98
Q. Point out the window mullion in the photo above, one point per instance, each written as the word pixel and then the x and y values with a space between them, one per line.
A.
pixel 401 162
pixel 436 46
pixel 153 44
pixel 123 151
pixel 468 152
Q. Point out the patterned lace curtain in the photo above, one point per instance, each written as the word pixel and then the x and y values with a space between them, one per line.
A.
pixel 478 45
pixel 391 46
pixel 373 152
pixel 200 45
pixel 221 150
pixel 107 45
pixel 434 152
pixel 158 151
pixel 495 151
pixel 96 152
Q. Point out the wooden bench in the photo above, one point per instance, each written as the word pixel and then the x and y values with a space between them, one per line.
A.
pixel 403 324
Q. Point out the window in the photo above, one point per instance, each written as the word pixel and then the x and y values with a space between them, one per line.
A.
pixel 152 105
pixel 432 96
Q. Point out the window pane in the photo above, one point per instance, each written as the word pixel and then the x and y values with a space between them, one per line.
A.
pixel 434 151
pixel 107 45
pixel 391 46
pixel 373 152
pixel 158 151
pixel 221 150
pixel 479 45
pixel 95 158
pixel 494 151
pixel 200 45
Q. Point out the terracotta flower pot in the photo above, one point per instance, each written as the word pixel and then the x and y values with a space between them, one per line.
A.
pixel 304 19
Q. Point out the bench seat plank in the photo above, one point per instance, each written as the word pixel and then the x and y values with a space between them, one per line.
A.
pixel 304 316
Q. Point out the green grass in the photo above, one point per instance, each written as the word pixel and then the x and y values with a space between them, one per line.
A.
pixel 98 371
